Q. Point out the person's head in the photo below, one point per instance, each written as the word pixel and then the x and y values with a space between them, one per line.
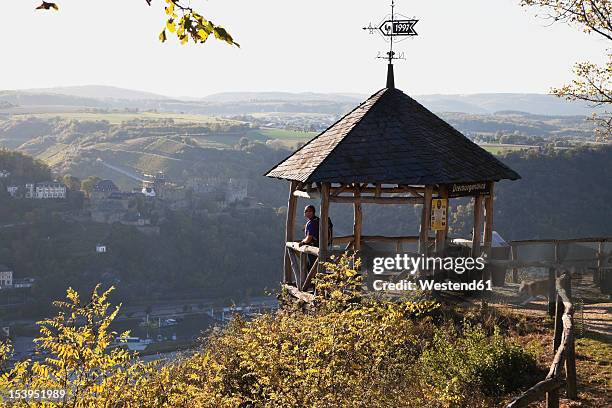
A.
pixel 309 211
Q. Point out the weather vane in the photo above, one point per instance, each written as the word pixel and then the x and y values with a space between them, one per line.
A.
pixel 392 26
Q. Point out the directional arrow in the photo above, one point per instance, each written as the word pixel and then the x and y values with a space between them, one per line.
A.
pixel 391 28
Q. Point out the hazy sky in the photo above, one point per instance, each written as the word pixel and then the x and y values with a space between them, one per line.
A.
pixel 466 46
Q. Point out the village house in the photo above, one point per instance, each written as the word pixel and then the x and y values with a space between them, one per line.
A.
pixel 12 190
pixel 113 207
pixel 6 277
pixel 103 189
pixel 45 190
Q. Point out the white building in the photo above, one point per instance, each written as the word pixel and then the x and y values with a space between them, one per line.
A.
pixel 148 192
pixel 50 189
pixel 101 249
pixel 236 190
pixel 6 277
pixel 12 190
pixel 30 190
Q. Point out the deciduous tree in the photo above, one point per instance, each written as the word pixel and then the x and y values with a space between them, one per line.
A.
pixel 183 21
pixel 592 81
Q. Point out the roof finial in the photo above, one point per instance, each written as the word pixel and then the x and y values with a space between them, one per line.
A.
pixel 390 78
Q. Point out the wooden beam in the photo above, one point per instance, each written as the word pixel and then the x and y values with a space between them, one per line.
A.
pixel 380 238
pixel 289 229
pixel 339 190
pixel 323 223
pixel 425 221
pixel 357 221
pixel 488 227
pixel 477 229
pixel 311 274
pixel 335 191
pixel 303 266
pixel 536 392
pixel 298 294
pixel 562 241
pixel 377 200
pixel 306 249
pixel 441 234
pixel 295 265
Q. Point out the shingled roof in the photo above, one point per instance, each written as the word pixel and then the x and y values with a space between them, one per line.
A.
pixel 391 138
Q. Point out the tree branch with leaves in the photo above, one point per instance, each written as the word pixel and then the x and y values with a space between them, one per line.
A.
pixel 183 21
pixel 592 82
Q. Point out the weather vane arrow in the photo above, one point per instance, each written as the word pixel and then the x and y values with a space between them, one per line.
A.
pixel 392 28
pixel 398 27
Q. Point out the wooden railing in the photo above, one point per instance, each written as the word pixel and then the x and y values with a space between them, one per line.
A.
pixel 564 348
pixel 302 276
pixel 398 241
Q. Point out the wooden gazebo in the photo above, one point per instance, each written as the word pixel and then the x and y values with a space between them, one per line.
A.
pixel 388 150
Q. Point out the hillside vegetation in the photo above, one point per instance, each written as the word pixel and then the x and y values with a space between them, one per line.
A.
pixel 562 194
pixel 350 352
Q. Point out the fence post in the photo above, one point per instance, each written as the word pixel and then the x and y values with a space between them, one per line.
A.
pixel 552 292
pixel 570 353
pixel 513 256
pixel 552 398
pixel 558 324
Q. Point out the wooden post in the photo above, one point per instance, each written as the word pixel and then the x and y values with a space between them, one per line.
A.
pixel 476 229
pixel 425 218
pixel 441 234
pixel 552 398
pixel 597 273
pixel 323 223
pixel 570 352
pixel 289 228
pixel 301 271
pixel 488 227
pixel 514 257
pixel 558 324
pixel 552 292
pixel 559 309
pixel 357 219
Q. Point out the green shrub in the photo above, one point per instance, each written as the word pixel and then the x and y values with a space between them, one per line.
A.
pixel 471 361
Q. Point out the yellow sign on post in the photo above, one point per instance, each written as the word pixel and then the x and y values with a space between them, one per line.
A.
pixel 438 214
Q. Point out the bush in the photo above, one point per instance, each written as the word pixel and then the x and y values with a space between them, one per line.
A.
pixel 349 352
pixel 472 361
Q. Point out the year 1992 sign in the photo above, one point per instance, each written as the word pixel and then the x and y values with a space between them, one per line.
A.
pixel 398 27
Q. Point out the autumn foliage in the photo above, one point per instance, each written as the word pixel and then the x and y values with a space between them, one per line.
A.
pixel 350 351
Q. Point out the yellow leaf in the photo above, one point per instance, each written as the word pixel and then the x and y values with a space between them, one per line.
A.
pixel 203 35
pixel 170 25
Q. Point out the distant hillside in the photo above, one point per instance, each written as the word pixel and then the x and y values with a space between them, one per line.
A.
pixel 226 97
pixel 98 92
pixel 538 104
pixel 237 103
pixel 11 99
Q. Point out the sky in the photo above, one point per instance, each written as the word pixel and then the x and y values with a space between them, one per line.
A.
pixel 463 47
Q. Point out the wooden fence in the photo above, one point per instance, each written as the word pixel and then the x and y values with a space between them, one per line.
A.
pixel 564 349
